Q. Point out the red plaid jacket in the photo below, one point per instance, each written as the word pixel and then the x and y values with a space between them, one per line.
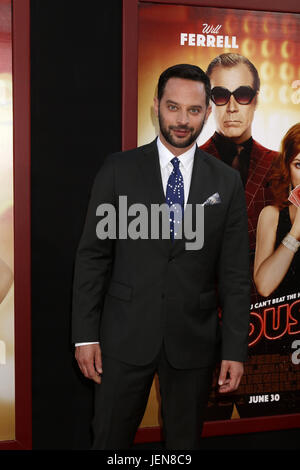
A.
pixel 257 191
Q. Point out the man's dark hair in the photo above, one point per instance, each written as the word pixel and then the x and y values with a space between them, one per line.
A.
pixel 229 60
pixel 187 71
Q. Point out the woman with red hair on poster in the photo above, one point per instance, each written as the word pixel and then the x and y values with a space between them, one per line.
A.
pixel 277 256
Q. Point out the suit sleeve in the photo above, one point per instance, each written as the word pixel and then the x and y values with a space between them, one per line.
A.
pixel 234 278
pixel 93 262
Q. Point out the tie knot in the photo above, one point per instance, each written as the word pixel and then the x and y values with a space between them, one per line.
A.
pixel 175 163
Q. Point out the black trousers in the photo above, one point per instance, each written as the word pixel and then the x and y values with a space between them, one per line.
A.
pixel 122 396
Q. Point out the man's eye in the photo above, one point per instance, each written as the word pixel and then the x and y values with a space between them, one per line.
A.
pixel 195 110
pixel 172 107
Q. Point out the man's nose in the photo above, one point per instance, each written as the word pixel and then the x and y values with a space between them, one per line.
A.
pixel 182 117
pixel 232 105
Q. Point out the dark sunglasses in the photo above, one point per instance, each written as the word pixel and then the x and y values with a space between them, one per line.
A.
pixel 243 95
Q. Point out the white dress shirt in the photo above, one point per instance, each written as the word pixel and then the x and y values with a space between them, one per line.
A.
pixel 186 161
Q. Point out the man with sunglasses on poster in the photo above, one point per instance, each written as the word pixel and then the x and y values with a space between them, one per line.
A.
pixel 235 87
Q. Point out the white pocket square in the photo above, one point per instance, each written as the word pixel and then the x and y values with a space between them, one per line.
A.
pixel 212 200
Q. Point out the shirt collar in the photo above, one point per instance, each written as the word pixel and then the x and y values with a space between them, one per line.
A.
pixel 227 148
pixel 165 156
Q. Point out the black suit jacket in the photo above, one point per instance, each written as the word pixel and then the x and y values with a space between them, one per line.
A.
pixel 131 295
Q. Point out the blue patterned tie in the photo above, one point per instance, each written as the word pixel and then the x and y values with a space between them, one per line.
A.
pixel 175 195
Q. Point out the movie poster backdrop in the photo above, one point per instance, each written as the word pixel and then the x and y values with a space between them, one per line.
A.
pixel 7 333
pixel 173 34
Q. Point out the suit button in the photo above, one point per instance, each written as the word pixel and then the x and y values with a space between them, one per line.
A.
pixel 162 296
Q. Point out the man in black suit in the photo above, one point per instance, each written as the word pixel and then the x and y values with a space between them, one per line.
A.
pixel 152 303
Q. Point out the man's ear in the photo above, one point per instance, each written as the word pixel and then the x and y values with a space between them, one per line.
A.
pixel 208 111
pixel 156 105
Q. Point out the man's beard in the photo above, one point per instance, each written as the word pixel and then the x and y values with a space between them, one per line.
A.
pixel 185 142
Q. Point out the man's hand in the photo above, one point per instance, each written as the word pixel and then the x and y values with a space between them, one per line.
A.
pixel 90 361
pixel 230 376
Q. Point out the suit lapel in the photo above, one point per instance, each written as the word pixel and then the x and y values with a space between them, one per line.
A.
pixel 255 177
pixel 152 182
pixel 150 169
pixel 200 187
